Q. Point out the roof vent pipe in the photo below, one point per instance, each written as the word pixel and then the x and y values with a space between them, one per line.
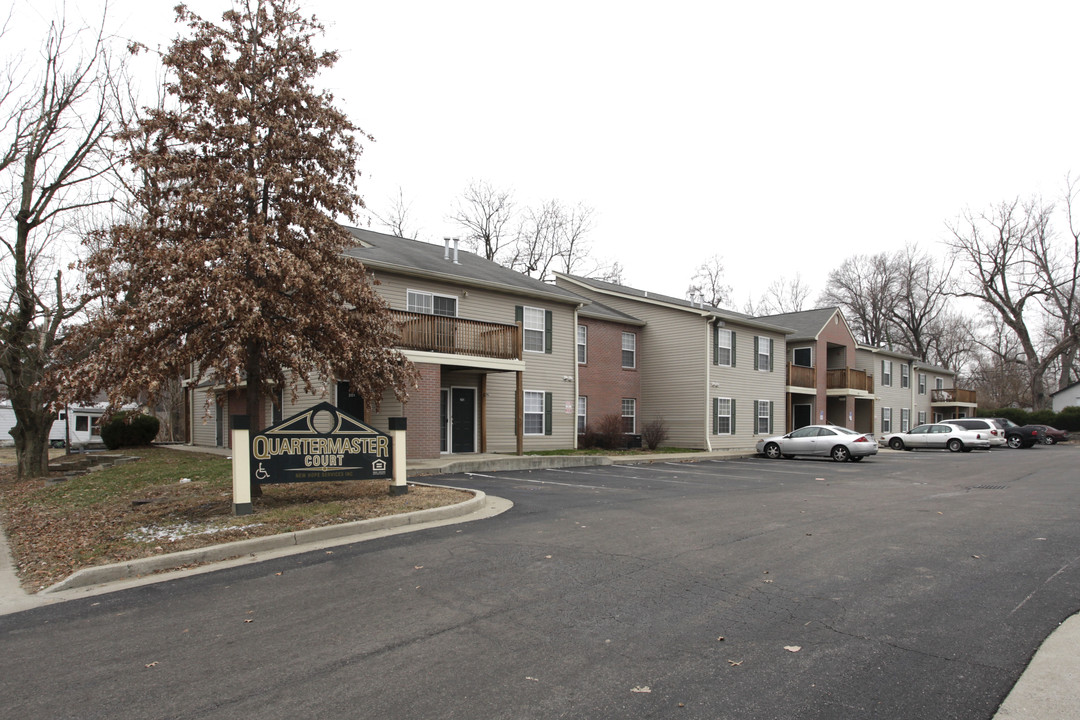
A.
pixel 446 249
pixel 455 252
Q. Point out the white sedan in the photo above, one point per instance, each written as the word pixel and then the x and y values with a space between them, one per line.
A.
pixel 940 436
pixel 833 441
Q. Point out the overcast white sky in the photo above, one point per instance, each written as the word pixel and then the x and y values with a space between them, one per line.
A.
pixel 783 136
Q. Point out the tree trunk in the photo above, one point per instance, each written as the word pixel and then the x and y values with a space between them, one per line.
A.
pixel 254 403
pixel 31 433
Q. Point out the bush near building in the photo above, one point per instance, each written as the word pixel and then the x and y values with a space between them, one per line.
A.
pixel 1067 419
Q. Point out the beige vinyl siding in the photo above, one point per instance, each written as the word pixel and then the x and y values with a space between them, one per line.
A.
pixel 925 401
pixel 746 385
pixel 894 396
pixel 674 349
pixel 204 417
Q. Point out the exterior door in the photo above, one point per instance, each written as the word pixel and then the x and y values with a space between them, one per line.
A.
pixel 349 402
pixel 462 420
pixel 802 415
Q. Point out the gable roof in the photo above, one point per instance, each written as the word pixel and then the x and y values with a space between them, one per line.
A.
pixel 1064 389
pixel 807 324
pixel 600 311
pixel 675 303
pixel 379 251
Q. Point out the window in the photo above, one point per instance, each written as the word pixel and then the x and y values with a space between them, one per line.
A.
pixel 629 415
pixel 582 407
pixel 431 304
pixel 886 420
pixel 764 417
pixel 905 419
pixel 803 357
pixel 535 328
pixel 95 426
pixel 582 337
pixel 629 351
pixel 939 383
pixel 922 417
pixel 724 347
pixel 922 383
pixel 905 378
pixel 534 413
pixel 762 353
pixel 724 414
pixel 886 372
pixel 82 423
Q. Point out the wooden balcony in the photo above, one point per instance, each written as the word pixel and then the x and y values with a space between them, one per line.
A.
pixel 849 379
pixel 457 336
pixel 799 376
pixel 953 396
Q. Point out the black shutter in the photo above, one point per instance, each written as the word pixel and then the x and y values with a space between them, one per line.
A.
pixel 771 409
pixel 715 416
pixel 715 349
pixel 547 413
pixel 770 361
pixel 547 331
pixel 519 313
pixel 732 416
pixel 756 341
pixel 733 361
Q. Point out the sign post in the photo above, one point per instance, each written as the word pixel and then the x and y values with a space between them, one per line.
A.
pixel 399 486
pixel 241 465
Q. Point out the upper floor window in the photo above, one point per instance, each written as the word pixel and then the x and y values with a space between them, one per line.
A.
pixel 905 378
pixel 939 384
pixel 886 372
pixel 762 353
pixel 725 347
pixel 432 304
pixel 803 357
pixel 535 327
pixel 582 337
pixel 629 350
pixel 922 385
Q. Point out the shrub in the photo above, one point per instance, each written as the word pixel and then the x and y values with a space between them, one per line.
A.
pixel 588 439
pixel 654 433
pixel 129 430
pixel 609 434
pixel 1068 419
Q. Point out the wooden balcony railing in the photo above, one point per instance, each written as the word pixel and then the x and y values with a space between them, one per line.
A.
pixel 849 379
pixel 953 395
pixel 799 376
pixel 458 336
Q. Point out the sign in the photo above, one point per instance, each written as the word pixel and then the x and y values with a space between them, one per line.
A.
pixel 320 444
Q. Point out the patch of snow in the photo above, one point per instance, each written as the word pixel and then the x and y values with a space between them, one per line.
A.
pixel 172 533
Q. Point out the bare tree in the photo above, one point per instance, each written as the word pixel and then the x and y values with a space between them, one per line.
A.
pixel 865 288
pixel 707 283
pixel 1009 263
pixel 397 217
pixel 921 297
pixel 950 341
pixel 53 155
pixel 485 213
pixel 537 244
pixel 783 295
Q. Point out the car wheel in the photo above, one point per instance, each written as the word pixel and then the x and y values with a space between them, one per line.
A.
pixel 1015 441
pixel 1049 440
pixel 857 459
pixel 955 445
pixel 840 453
pixel 772 451
pixel 896 444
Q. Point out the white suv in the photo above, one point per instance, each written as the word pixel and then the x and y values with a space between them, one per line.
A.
pixel 987 429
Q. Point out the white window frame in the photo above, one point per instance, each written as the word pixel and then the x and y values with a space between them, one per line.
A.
pixel 905 419
pixel 534 320
pixel 762 415
pixel 632 337
pixel 764 350
pixel 922 385
pixel 886 420
pixel 922 417
pixel 412 305
pixel 582 413
pixel 886 374
pixel 722 415
pixel 632 415
pixel 939 384
pixel 809 349
pixel 528 407
pixel 723 334
pixel 582 344
pixel 905 375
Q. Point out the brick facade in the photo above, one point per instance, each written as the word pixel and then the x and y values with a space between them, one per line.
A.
pixel 423 412
pixel 602 379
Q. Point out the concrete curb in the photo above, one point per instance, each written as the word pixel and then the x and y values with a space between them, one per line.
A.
pixel 145 566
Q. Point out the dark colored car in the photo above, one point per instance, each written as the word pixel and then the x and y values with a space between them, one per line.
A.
pixel 1053 435
pixel 1021 436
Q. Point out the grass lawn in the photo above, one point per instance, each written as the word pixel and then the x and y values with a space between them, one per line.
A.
pixel 171 500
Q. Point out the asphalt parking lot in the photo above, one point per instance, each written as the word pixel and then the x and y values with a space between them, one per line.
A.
pixel 911 585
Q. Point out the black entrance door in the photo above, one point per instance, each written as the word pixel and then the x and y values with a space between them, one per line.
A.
pixel 463 420
pixel 349 402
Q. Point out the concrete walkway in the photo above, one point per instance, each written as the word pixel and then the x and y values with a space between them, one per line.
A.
pixel 1049 688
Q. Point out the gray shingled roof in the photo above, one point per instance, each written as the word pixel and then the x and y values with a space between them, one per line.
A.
pixel 601 311
pixel 413 257
pixel 806 323
pixel 603 286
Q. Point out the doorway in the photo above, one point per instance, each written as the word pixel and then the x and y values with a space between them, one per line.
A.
pixel 801 415
pixel 459 420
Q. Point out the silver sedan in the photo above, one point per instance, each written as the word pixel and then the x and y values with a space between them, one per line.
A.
pixel 937 435
pixel 833 441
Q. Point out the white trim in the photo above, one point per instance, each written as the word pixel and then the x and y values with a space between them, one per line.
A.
pixel 470 361
pixel 432 295
pixel 543 412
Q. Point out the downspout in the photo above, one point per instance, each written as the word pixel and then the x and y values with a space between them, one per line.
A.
pixel 708 384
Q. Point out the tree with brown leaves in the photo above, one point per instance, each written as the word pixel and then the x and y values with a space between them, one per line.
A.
pixel 234 266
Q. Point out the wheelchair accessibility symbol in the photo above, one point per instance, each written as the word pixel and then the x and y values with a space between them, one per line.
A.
pixel 260 473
